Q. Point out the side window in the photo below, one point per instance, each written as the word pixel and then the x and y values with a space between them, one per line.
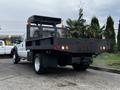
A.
pixel 1 44
pixel 8 43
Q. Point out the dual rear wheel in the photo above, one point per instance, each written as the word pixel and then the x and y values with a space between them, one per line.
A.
pixel 80 67
pixel 39 68
pixel 83 65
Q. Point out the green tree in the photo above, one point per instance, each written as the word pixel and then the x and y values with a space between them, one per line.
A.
pixel 118 37
pixel 94 30
pixel 96 27
pixel 77 27
pixel 110 33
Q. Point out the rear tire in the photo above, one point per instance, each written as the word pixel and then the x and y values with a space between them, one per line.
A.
pixel 16 58
pixel 80 67
pixel 38 65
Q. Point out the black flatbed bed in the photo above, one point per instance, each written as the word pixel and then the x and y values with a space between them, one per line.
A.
pixel 75 45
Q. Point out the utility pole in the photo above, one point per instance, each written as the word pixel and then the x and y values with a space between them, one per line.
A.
pixel 0 27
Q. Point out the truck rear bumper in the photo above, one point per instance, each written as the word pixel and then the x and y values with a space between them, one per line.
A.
pixel 72 54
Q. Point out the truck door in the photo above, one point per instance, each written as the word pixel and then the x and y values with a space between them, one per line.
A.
pixel 22 50
pixel 2 49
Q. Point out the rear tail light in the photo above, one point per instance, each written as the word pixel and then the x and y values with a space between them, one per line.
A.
pixel 67 47
pixel 103 48
pixel 61 47
pixel 57 47
pixel 100 47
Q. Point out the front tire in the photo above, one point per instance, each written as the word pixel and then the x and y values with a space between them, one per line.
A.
pixel 16 58
pixel 38 65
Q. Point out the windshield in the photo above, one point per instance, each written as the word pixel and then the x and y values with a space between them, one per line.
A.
pixel 8 43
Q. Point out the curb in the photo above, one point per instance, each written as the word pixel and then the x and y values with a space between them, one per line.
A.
pixel 105 69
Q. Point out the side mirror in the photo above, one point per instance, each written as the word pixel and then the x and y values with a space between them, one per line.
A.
pixel 22 45
pixel 18 41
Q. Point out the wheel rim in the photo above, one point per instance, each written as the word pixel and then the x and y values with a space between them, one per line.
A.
pixel 37 64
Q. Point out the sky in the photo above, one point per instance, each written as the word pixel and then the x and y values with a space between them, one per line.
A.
pixel 14 13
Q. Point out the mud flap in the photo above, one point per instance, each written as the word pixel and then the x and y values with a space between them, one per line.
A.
pixel 86 60
pixel 49 61
pixel 76 60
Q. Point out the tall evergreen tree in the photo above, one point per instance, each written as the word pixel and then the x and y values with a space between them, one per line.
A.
pixel 118 37
pixel 95 28
pixel 95 21
pixel 110 33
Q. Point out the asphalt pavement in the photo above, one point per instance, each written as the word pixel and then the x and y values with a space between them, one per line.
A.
pixel 22 77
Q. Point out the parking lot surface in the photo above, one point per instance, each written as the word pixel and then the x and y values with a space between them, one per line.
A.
pixel 23 77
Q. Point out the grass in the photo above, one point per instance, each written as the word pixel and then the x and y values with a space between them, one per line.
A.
pixel 107 60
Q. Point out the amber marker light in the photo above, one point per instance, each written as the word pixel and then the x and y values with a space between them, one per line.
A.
pixel 66 47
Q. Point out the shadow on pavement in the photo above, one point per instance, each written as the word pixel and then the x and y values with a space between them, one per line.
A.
pixel 26 68
pixel 60 71
pixel 5 57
